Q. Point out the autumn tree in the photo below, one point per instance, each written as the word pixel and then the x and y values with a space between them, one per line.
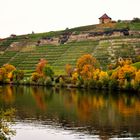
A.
pixel 9 68
pixel 126 72
pixel 18 75
pixel 68 69
pixel 9 71
pixel 35 77
pixel 2 74
pixel 86 65
pixel 121 62
pixel 40 66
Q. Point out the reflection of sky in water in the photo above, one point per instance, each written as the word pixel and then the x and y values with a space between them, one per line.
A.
pixel 27 131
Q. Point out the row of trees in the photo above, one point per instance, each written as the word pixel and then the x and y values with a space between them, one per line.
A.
pixel 8 73
pixel 87 73
pixel 120 76
pixel 43 74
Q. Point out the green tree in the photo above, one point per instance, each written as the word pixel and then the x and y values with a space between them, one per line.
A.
pixel 18 75
pixel 48 72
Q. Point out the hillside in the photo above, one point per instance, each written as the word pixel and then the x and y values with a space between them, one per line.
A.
pixel 107 42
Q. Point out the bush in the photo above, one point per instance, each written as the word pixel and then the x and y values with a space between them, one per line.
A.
pixel 61 82
pixel 35 77
pixel 86 83
pixel 135 20
pixel 68 80
pixel 113 84
pixel 99 85
pixel 27 81
pixel 48 81
pixel 92 84
pixel 18 75
pixel 105 82
pixel 127 85
pixel 40 81
pixel 79 84
pixel 137 86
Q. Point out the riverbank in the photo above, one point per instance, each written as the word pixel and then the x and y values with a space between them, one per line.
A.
pixel 122 75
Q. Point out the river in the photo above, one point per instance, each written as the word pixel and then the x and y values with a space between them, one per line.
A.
pixel 71 114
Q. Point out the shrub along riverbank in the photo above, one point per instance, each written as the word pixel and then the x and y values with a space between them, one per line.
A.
pixel 123 75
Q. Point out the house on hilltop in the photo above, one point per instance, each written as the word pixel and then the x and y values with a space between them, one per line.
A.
pixel 104 19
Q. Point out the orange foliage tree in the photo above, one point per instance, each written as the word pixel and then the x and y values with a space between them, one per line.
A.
pixel 126 72
pixel 9 68
pixel 68 69
pixel 86 65
pixel 40 66
pixel 2 74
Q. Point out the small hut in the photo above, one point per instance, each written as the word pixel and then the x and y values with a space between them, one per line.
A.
pixel 104 19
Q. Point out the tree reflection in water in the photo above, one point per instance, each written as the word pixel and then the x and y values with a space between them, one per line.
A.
pixel 99 113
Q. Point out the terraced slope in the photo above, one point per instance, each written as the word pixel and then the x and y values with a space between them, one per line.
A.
pixel 74 51
pixel 108 51
pixel 23 52
pixel 57 56
pixel 27 60
pixel 4 58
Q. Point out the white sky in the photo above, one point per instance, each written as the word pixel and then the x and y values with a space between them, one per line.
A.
pixel 25 16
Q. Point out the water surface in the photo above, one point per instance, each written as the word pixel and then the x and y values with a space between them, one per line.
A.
pixel 71 114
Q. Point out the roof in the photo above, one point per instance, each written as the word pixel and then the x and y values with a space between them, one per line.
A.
pixel 105 16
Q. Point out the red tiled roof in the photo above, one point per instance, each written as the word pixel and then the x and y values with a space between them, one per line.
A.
pixel 105 16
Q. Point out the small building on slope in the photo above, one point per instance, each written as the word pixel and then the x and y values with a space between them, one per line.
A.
pixel 104 19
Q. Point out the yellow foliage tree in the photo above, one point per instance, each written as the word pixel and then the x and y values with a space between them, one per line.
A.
pixel 9 68
pixel 126 72
pixel 121 62
pixel 35 77
pixel 74 77
pixel 103 75
pixel 68 69
pixel 10 75
pixel 2 74
pixel 96 74
pixel 86 65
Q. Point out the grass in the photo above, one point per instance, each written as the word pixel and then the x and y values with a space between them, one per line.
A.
pixel 132 26
pixel 28 73
pixel 136 65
